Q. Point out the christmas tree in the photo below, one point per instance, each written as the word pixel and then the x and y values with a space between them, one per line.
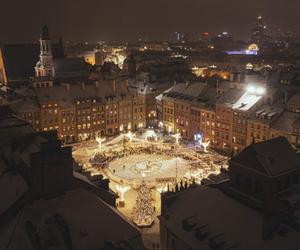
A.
pixel 143 211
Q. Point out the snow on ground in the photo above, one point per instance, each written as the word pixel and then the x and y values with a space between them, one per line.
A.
pixel 150 167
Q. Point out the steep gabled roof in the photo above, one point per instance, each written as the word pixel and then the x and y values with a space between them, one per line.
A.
pixel 273 157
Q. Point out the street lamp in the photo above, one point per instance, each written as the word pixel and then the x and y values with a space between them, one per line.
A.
pixel 122 190
pixel 177 138
pixel 99 140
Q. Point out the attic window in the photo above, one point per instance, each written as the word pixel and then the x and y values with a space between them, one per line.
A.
pixel 270 160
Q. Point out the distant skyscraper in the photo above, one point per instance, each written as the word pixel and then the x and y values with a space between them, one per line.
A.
pixel 258 33
pixel 181 37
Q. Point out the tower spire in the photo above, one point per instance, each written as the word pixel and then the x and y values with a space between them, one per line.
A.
pixel 45 33
pixel 44 67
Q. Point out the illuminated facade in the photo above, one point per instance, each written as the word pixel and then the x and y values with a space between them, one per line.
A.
pixel 79 112
pixel 168 116
pixel 231 119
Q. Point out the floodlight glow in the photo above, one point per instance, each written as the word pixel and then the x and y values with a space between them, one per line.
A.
pixel 251 89
pixel 255 90
pixel 260 91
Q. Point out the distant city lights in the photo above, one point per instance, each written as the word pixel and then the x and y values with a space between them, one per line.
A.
pixel 252 50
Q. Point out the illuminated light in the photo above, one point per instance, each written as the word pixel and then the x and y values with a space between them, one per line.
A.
pixel 150 134
pixel 252 50
pixel 162 189
pixel 122 190
pixel 130 136
pixel 99 140
pixel 260 91
pixel 177 138
pixel 116 57
pixel 249 66
pixel 197 137
pixel 179 56
pixel 256 90
pixel 268 66
pixel 204 144
pixel 251 89
pixel 253 47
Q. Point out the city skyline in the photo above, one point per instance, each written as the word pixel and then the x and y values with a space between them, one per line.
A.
pixel 151 20
pixel 150 125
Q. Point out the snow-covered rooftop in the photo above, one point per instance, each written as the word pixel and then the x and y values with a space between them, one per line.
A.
pixel 225 219
pixel 246 102
pixel 90 221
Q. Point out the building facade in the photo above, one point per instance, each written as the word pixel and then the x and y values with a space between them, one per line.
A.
pixel 230 119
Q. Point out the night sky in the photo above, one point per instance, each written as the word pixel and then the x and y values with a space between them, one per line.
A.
pixel 92 20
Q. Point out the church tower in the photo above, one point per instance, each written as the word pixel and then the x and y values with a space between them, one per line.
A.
pixel 44 67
